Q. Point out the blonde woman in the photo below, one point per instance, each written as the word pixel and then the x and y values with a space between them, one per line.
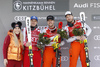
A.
pixel 13 46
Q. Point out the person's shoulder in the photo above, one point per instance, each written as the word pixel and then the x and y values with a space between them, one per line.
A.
pixel 66 27
pixel 7 37
pixel 10 32
pixel 37 28
pixel 45 28
pixel 78 21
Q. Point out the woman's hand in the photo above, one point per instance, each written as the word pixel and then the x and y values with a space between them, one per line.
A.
pixel 5 62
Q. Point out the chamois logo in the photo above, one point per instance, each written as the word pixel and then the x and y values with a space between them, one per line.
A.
pixel 18 5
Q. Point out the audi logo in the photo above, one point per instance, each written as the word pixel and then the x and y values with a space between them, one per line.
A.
pixel 97 57
pixel 20 18
pixel 97 37
pixel 64 58
pixel 96 47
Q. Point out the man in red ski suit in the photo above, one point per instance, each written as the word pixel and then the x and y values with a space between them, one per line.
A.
pixel 34 37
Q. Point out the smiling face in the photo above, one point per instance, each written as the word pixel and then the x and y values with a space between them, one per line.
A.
pixel 17 30
pixel 33 22
pixel 50 23
pixel 69 18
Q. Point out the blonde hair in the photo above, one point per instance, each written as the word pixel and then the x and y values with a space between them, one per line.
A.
pixel 16 38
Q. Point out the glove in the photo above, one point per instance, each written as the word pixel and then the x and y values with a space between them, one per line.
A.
pixel 56 45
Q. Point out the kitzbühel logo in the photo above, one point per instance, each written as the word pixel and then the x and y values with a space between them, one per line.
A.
pixel 18 5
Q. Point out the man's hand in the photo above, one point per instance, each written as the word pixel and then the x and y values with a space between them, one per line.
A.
pixel 28 44
pixel 56 45
pixel 58 35
pixel 78 37
pixel 83 38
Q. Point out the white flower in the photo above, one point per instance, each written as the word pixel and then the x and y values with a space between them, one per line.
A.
pixel 62 30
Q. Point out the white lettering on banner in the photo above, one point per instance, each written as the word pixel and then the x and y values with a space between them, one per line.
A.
pixel 87 5
pixel 64 58
pixel 34 6
pixel 78 18
pixel 32 2
pixel 96 47
pixel 95 5
pixel 45 2
pixel 96 27
pixel 76 5
pixel 52 2
pixel 97 57
pixel 41 17
pixel 39 7
pixel 20 18
pixel 97 37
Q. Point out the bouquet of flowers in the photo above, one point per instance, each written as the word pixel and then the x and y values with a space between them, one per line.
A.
pixel 43 39
pixel 62 33
pixel 78 31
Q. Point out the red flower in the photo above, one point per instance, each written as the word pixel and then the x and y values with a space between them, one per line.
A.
pixel 60 25
pixel 78 27
pixel 46 36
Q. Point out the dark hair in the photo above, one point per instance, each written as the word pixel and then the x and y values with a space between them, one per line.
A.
pixel 50 17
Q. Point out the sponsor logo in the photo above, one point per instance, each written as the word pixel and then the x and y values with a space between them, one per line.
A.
pixel 97 57
pixel 96 27
pixel 20 18
pixel 41 17
pixel 96 17
pixel 64 58
pixel 40 6
pixel 86 5
pixel 77 5
pixel 96 47
pixel 97 37
pixel 78 18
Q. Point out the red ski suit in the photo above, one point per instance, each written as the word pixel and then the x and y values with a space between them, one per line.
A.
pixel 76 48
pixel 37 55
